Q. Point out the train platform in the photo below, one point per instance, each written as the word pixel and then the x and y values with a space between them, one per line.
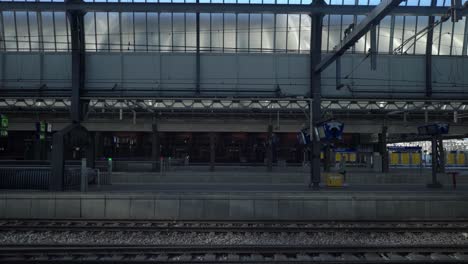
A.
pixel 240 202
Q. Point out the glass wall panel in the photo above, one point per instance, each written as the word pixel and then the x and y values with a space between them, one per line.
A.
pixel 141 41
pixel 409 33
pixel 191 36
pixel 114 31
pixel 383 35
pixel 255 34
pixel 102 31
pixel 242 32
pixel 229 32
pixel 398 32
pixel 421 41
pixel 458 35
pixel 268 33
pixel 280 33
pixel 335 34
pixel 165 21
pixel 445 38
pixel 205 28
pixel 33 30
pixel 48 31
pixel 293 33
pixel 22 30
pixel 90 36
pixel 178 27
pixel 361 45
pixel 128 36
pixel 305 33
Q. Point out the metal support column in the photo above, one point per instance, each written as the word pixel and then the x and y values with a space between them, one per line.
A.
pixel 383 149
pixel 270 148
pixel 98 145
pixel 91 151
pixel 57 170
pixel 327 158
pixel 437 161
pixel 428 57
pixel 212 151
pixel 373 47
pixel 155 147
pixel 76 20
pixel 315 92
pixel 197 63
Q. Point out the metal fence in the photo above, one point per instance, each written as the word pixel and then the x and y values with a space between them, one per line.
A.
pixel 35 175
pixel 24 178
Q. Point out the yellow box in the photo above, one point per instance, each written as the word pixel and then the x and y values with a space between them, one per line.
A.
pixel 337 156
pixel 405 158
pixel 394 158
pixel 352 157
pixel 334 179
pixel 416 158
pixel 322 156
pixel 451 158
pixel 461 158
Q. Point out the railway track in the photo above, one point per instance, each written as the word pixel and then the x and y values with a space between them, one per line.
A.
pixel 233 226
pixel 232 254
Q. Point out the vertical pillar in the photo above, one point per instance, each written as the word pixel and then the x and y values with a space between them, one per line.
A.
pixel 76 20
pixel 441 154
pixel 91 151
pixel 428 57
pixel 155 147
pixel 57 170
pixel 315 93
pixel 197 55
pixel 270 148
pixel 383 149
pixel 212 151
pixel 327 158
pixel 435 162
pixel 98 145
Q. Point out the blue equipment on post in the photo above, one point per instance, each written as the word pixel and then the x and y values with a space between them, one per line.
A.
pixel 330 130
pixel 327 131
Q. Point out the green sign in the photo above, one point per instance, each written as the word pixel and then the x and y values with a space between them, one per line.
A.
pixel 4 122
pixel 3 126
pixel 42 126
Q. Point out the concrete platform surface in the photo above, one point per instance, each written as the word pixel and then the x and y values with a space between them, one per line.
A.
pixel 182 188
pixel 188 203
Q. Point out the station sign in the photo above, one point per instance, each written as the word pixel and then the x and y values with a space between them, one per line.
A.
pixel 4 126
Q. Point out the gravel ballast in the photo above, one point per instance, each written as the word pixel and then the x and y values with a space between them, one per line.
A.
pixel 174 238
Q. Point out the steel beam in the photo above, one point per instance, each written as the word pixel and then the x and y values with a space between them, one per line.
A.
pixel 155 146
pixel 315 91
pixel 372 19
pixel 217 8
pixel 76 20
pixel 212 136
pixel 428 55
pixel 197 56
pixel 269 150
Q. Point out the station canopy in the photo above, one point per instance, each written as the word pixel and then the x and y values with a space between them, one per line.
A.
pixel 23 31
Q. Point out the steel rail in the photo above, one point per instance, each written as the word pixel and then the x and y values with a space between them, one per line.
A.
pixel 234 227
pixel 232 254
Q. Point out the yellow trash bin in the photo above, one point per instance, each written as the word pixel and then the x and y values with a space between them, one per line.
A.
pixel 334 179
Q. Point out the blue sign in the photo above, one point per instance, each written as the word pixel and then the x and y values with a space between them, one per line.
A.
pixel 404 149
pixel 330 130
